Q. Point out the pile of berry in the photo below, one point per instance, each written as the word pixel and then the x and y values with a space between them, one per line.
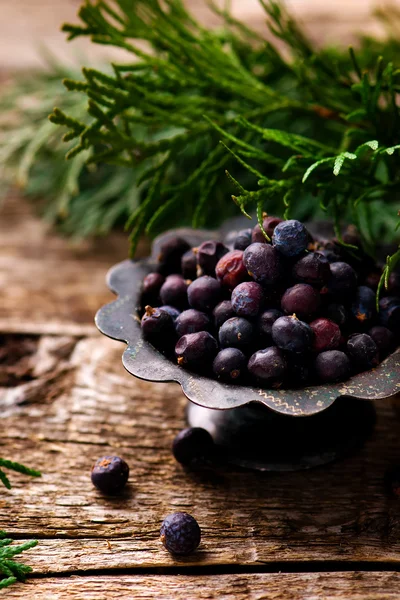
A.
pixel 286 313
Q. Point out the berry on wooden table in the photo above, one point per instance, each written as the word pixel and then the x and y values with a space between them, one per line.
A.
pixel 180 533
pixel 110 474
pixel 192 445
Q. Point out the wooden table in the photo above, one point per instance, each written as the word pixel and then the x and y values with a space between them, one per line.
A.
pixel 65 400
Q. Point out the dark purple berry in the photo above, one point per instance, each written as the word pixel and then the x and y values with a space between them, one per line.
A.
pixel 208 255
pixel 242 240
pixel 156 323
pixel 364 304
pixel 170 255
pixel 269 224
pixel 332 366
pixel 192 445
pixel 236 333
pixel 192 321
pixel 189 264
pixel 204 293
pixel 268 367
pixel 151 287
pixel 290 238
pixel 180 533
pixel 265 322
pixel 230 269
pixel 343 278
pixel 196 350
pixel 110 474
pixel 337 313
pixel 363 351
pixel 292 335
pixel 222 312
pixel 229 365
pixel 384 339
pixel 247 299
pixel 171 310
pixel 327 335
pixel 302 300
pixel 389 312
pixel 313 269
pixel 174 292
pixel 263 263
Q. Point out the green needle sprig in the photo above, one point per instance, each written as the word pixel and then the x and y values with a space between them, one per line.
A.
pixel 18 468
pixel 12 570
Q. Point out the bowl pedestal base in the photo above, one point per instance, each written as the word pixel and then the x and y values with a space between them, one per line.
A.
pixel 254 437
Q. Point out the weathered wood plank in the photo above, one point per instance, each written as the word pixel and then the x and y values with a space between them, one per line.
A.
pixel 49 284
pixel 86 405
pixel 271 586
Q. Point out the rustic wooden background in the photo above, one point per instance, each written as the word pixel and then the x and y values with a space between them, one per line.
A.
pixel 65 400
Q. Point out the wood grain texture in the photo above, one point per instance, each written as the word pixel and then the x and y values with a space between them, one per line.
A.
pixel 271 586
pixel 85 405
pixel 49 284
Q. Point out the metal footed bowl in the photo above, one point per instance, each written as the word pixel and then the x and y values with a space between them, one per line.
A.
pixel 119 320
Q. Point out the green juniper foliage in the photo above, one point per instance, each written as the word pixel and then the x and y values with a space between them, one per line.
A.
pixel 11 570
pixel 18 468
pixel 315 132
pixel 303 132
pixel 80 200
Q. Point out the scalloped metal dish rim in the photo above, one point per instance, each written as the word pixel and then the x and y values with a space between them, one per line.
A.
pixel 118 320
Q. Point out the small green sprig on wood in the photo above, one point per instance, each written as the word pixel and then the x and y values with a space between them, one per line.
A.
pixel 18 468
pixel 11 570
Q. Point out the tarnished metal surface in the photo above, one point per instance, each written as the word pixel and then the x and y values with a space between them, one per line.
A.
pixel 119 320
